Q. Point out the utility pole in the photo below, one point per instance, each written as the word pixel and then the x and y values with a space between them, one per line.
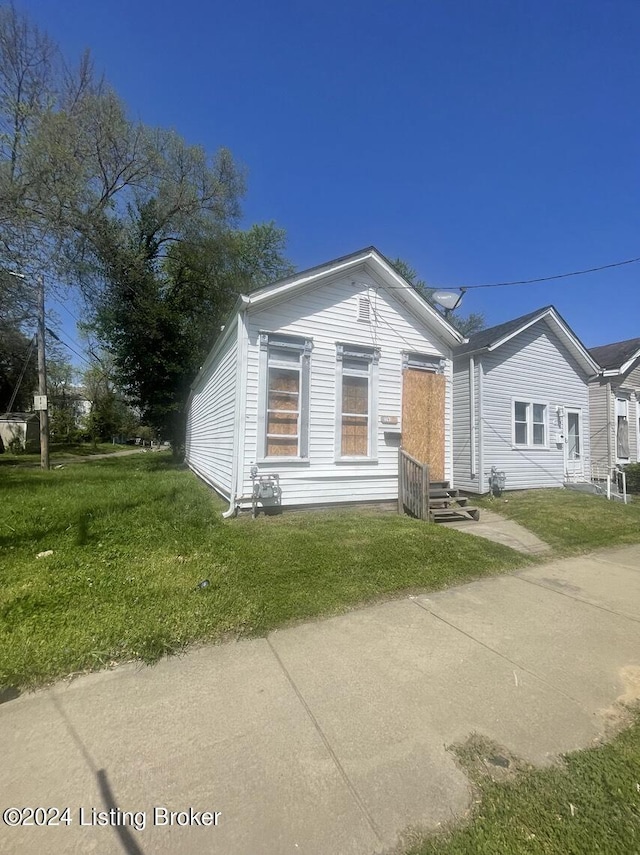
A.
pixel 42 378
pixel 42 371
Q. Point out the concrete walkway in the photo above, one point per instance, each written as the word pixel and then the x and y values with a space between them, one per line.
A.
pixel 328 737
pixel 494 527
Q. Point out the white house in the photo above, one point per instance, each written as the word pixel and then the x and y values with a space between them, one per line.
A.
pixel 615 405
pixel 21 430
pixel 521 405
pixel 316 378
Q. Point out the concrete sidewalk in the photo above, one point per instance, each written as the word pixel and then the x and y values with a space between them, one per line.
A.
pixel 329 737
pixel 494 527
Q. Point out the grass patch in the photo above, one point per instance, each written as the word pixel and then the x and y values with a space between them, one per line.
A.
pixel 62 452
pixel 591 803
pixel 570 521
pixel 132 537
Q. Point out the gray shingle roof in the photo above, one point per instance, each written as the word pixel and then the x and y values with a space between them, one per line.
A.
pixel 611 356
pixel 485 338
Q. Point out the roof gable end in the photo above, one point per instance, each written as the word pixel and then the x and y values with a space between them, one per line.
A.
pixel 494 337
pixel 384 272
pixel 618 357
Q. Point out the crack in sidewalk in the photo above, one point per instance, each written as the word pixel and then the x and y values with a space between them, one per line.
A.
pixel 350 786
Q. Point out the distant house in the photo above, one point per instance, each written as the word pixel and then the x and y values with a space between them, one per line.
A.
pixel 521 404
pixel 316 378
pixel 615 405
pixel 21 429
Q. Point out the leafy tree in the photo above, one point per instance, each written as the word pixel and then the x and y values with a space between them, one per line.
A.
pixel 161 314
pixel 145 224
pixel 110 414
pixel 65 398
pixel 17 366
pixel 465 324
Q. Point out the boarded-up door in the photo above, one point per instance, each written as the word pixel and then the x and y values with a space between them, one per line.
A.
pixel 423 394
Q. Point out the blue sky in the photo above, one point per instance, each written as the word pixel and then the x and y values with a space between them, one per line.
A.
pixel 481 141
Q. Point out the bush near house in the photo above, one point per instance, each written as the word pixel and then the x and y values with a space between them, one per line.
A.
pixel 632 471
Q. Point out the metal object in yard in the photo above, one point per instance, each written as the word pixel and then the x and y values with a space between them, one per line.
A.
pixel 497 481
pixel 266 490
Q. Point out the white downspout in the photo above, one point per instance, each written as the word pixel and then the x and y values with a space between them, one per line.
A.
pixel 238 437
pixel 472 415
pixel 610 406
pixel 480 429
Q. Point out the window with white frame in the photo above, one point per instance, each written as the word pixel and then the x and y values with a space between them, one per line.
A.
pixel 622 429
pixel 529 424
pixel 284 411
pixel 355 410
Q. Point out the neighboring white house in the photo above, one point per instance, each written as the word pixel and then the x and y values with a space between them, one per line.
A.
pixel 316 378
pixel 615 406
pixel 521 405
pixel 21 430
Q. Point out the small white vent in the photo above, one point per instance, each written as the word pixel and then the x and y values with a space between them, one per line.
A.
pixel 364 310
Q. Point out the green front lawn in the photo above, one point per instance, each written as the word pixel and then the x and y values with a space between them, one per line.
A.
pixel 570 521
pixel 62 451
pixel 132 537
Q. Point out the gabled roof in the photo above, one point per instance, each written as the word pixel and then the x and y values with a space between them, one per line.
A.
pixel 494 337
pixel 381 268
pixel 384 271
pixel 618 357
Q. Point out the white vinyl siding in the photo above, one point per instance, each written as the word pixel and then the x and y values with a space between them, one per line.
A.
pixel 534 368
pixel 211 420
pixel 601 433
pixel 603 394
pixel 467 467
pixel 328 313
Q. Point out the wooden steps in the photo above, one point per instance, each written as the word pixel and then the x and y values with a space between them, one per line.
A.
pixel 447 505
pixel 432 501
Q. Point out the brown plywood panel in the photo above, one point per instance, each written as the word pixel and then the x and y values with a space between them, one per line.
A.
pixel 423 398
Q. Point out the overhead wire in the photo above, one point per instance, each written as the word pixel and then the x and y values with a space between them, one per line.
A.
pixel 66 344
pixel 554 277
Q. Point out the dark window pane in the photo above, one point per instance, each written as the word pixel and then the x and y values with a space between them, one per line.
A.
pixel 521 411
pixel 538 434
pixel 284 380
pixel 538 412
pixel 622 439
pixel 521 434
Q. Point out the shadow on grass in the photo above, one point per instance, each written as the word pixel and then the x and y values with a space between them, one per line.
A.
pixel 82 526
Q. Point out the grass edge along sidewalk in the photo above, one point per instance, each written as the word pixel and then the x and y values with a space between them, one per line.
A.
pixel 588 802
pixel 130 539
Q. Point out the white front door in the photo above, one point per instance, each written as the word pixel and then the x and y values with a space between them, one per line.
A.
pixel 573 458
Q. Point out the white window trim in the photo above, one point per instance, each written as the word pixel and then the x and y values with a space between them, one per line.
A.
pixel 529 445
pixel 373 355
pixel 622 400
pixel 303 345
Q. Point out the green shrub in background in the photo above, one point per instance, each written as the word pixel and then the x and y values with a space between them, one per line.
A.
pixel 632 471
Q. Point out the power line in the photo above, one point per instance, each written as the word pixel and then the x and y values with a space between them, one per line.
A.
pixel 66 344
pixel 550 278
